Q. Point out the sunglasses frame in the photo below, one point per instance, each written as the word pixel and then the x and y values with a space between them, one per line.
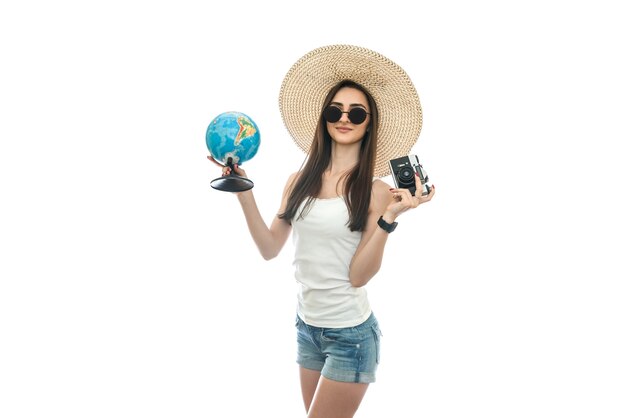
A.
pixel 357 109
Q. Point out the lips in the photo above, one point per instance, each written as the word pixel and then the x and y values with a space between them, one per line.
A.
pixel 343 130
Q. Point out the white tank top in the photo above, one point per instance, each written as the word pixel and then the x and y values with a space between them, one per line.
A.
pixel 324 247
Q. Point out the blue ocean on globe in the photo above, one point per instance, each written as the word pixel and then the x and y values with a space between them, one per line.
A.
pixel 233 135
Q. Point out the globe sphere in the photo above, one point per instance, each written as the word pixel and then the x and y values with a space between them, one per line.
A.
pixel 233 137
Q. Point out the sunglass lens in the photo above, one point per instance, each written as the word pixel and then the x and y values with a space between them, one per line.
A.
pixel 357 115
pixel 332 114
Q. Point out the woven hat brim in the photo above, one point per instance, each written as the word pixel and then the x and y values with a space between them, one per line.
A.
pixel 308 81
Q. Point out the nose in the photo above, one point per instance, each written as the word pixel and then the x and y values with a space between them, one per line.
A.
pixel 344 117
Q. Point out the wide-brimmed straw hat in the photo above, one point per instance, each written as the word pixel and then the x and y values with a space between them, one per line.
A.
pixel 308 81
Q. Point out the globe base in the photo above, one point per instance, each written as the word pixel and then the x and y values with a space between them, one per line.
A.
pixel 232 183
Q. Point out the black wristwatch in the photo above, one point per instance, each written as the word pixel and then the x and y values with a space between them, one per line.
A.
pixel 387 227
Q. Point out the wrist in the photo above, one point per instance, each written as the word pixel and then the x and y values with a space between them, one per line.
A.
pixel 244 196
pixel 389 217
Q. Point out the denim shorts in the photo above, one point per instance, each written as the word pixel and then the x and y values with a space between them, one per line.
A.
pixel 343 354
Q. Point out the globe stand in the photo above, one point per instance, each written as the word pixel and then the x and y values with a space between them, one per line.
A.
pixel 232 182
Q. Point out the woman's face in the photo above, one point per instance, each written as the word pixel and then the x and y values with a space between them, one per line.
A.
pixel 344 131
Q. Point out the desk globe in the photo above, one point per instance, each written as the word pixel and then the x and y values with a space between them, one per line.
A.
pixel 232 138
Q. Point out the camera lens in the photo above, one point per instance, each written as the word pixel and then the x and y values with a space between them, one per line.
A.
pixel 406 176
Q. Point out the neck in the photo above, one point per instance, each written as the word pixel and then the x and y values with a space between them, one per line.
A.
pixel 343 158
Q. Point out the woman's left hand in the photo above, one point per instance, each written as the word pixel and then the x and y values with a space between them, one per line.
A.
pixel 403 200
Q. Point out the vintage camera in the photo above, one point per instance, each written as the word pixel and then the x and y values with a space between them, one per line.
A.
pixel 403 171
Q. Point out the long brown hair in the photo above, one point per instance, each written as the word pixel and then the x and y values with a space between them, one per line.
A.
pixel 358 184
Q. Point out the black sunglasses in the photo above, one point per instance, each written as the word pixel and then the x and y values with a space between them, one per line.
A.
pixel 357 115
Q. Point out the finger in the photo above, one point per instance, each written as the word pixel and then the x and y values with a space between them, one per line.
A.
pixel 429 195
pixel 409 200
pixel 240 171
pixel 396 195
pixel 210 158
pixel 399 190
pixel 406 200
pixel 406 195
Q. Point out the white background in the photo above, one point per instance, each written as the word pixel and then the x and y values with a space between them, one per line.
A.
pixel 130 288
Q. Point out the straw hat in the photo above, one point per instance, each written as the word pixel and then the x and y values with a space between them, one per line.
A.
pixel 308 81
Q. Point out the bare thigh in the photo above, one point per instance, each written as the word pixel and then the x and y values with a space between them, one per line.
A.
pixel 336 399
pixel 308 384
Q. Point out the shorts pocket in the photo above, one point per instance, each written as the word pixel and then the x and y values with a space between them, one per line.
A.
pixel 342 336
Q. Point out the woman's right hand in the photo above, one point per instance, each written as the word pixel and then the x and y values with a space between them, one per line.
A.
pixel 226 169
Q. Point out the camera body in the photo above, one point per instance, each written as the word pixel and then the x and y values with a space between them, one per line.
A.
pixel 403 171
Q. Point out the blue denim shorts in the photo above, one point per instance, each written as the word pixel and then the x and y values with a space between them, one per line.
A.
pixel 342 354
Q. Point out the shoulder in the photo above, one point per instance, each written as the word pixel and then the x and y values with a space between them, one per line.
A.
pixel 380 187
pixel 290 181
pixel 380 193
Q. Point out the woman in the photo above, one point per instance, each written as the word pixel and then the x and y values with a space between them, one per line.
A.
pixel 340 214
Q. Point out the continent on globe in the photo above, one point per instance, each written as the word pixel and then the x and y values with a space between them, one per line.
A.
pixel 246 129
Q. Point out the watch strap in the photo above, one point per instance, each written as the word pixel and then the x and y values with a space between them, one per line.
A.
pixel 385 226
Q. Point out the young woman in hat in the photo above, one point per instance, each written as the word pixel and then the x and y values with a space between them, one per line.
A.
pixel 351 110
